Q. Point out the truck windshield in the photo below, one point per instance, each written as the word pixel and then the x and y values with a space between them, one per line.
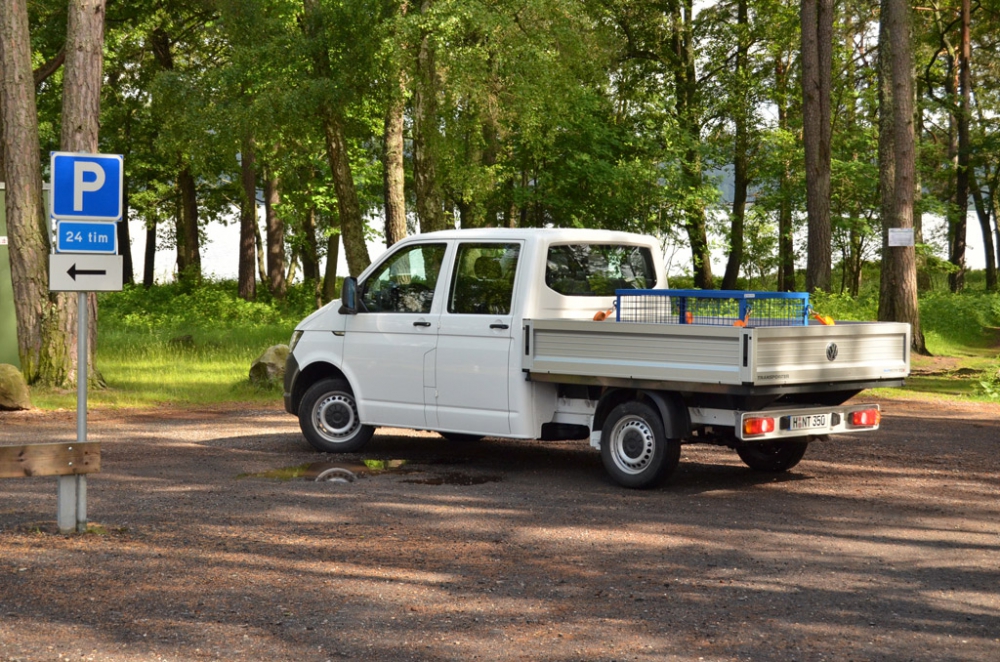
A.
pixel 589 270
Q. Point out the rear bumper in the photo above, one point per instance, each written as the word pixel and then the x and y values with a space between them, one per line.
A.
pixel 787 422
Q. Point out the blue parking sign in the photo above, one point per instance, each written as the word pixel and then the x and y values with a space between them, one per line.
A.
pixel 86 187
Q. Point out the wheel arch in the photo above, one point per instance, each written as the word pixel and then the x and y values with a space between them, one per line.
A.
pixel 311 374
pixel 673 412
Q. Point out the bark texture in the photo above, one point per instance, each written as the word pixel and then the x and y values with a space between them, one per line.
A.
pixel 741 175
pixel 247 276
pixel 956 279
pixel 429 200
pixel 26 223
pixel 897 168
pixel 81 113
pixel 275 227
pixel 188 242
pixel 817 53
pixel 393 173
pixel 686 85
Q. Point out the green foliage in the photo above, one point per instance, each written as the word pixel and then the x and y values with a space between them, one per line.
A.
pixel 845 307
pixel 989 386
pixel 212 306
pixel 969 319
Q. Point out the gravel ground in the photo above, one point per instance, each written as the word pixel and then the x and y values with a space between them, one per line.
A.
pixel 883 546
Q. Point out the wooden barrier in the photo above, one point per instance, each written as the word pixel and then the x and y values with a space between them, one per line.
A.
pixel 57 459
pixel 70 461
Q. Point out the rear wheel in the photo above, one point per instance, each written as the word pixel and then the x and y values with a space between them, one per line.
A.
pixel 328 416
pixel 634 448
pixel 773 457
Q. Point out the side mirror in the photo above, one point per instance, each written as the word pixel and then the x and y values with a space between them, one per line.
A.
pixel 349 296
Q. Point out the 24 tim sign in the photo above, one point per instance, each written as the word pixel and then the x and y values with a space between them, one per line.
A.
pixel 86 187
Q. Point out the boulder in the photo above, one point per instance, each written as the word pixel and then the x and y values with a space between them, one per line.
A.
pixel 269 367
pixel 13 389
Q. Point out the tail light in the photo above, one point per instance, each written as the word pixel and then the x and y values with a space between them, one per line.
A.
pixel 865 418
pixel 757 425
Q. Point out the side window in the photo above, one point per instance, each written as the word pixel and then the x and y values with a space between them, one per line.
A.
pixel 404 284
pixel 484 279
pixel 599 269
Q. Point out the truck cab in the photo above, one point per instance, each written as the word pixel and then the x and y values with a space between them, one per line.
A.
pixel 430 340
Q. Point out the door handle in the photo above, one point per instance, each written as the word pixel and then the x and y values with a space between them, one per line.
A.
pixel 421 323
pixel 499 325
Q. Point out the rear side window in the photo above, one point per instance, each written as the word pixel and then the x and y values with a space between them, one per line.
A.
pixel 484 279
pixel 406 282
pixel 599 269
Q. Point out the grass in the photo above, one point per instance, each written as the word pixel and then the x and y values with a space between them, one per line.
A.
pixel 193 346
pixel 186 347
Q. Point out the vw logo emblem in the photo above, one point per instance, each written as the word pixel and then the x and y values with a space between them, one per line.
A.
pixel 831 351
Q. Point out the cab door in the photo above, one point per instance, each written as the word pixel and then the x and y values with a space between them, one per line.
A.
pixel 474 340
pixel 393 336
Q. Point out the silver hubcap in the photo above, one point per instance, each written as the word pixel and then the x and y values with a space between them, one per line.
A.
pixel 335 417
pixel 632 444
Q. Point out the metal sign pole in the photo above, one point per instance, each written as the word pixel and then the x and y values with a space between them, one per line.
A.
pixel 72 490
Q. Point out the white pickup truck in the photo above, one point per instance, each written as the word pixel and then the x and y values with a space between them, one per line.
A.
pixel 492 333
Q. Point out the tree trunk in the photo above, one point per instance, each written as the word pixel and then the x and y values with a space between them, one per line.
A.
pixel 686 85
pixel 26 223
pixel 125 239
pixel 393 173
pixel 81 115
pixel 149 258
pixel 352 224
pixel 786 230
pixel 984 215
pixel 741 177
pixel 429 201
pixel 247 280
pixel 310 256
pixel 275 235
pixel 259 243
pixel 188 249
pixel 817 64
pixel 897 168
pixel 956 279
pixel 330 273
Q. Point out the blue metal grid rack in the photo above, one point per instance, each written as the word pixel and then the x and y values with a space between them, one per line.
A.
pixel 713 307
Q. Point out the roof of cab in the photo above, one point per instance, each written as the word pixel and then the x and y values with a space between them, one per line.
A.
pixel 549 235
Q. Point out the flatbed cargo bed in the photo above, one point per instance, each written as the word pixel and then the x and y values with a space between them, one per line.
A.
pixel 691 357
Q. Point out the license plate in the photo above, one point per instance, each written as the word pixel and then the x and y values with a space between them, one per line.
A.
pixel 807 422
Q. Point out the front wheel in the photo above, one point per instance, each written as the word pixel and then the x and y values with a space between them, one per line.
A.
pixel 773 457
pixel 634 448
pixel 328 416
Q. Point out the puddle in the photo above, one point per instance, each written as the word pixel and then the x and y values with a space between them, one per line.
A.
pixel 349 472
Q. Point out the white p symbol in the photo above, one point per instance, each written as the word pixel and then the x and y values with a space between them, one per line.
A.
pixel 80 187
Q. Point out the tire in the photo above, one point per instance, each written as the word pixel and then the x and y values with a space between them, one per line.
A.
pixel 328 416
pixel 634 449
pixel 772 457
pixel 459 437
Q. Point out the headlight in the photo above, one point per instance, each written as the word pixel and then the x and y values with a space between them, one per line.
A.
pixel 296 335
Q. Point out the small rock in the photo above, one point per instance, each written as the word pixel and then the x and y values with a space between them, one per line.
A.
pixel 13 389
pixel 269 367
